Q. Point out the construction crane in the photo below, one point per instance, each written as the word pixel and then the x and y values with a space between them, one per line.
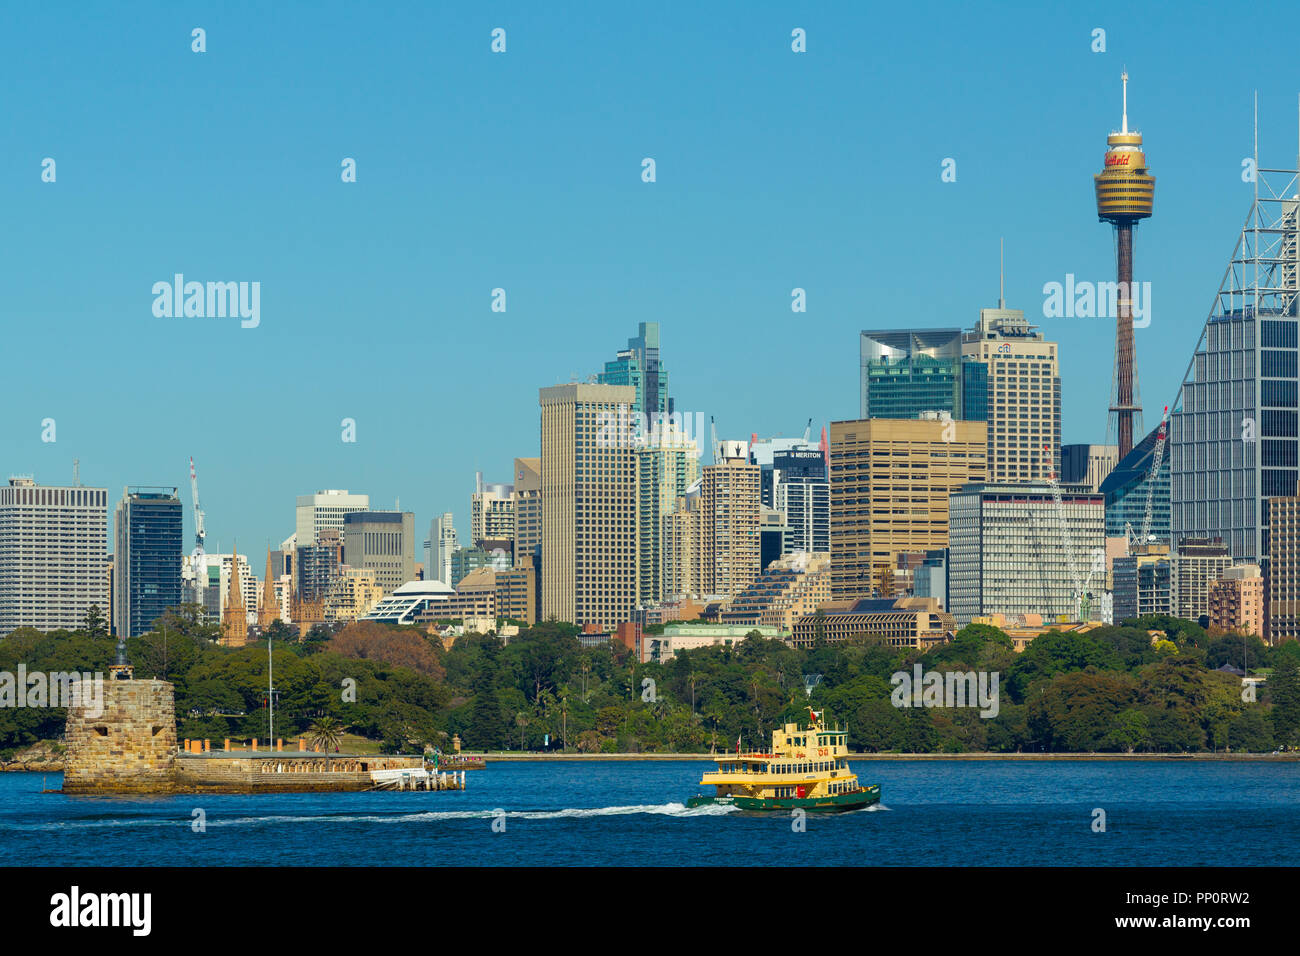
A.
pixel 200 536
pixel 1157 456
pixel 1080 599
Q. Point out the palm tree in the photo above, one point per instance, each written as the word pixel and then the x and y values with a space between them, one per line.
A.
pixel 585 668
pixel 564 715
pixel 545 707
pixel 326 734
pixel 522 720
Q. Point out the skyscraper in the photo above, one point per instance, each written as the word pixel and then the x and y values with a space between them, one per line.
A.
pixel 1283 579
pixel 763 452
pixel 1233 435
pixel 492 515
pixel 52 555
pixel 382 541
pixel 146 559
pixel 442 544
pixel 1012 551
pixel 681 548
pixel 528 510
pixel 666 466
pixel 729 504
pixel 889 486
pixel 589 520
pixel 1128 488
pixel 1087 464
pixel 802 492
pixel 1024 394
pixel 909 371
pixel 325 509
pixel 638 366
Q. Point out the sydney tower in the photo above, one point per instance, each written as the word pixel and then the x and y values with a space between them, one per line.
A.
pixel 1125 194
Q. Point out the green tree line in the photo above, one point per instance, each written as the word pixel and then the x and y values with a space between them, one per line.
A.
pixel 1110 690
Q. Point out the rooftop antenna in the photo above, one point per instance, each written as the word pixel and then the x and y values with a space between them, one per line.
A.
pixel 1002 274
pixel 76 472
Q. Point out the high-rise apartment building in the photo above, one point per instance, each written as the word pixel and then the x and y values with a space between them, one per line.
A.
pixel 1143 583
pixel 1011 551
pixel 146 559
pixel 666 467
pixel 1024 395
pixel 802 492
pixel 1237 601
pixel 352 594
pixel 325 509
pixel 681 554
pixel 909 371
pixel 589 505
pixel 317 565
pixel 53 550
pixel 1283 568
pixel 763 452
pixel 729 506
pixel 890 484
pixel 528 510
pixel 1196 564
pixel 492 515
pixel 381 541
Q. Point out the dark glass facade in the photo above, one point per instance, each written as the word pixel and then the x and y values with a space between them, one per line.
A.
pixel 147 562
pixel 907 372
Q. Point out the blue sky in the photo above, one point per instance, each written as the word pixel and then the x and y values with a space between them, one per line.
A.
pixel 522 171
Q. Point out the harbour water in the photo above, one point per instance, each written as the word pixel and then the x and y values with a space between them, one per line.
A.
pixel 631 813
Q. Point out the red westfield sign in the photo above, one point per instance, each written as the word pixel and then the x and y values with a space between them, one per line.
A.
pixel 1117 159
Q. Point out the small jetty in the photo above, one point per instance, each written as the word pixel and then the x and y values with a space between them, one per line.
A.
pixel 124 741
pixel 200 769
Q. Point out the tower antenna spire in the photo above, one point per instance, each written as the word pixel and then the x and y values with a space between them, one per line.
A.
pixel 1124 119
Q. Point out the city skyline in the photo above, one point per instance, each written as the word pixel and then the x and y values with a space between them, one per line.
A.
pixel 786 195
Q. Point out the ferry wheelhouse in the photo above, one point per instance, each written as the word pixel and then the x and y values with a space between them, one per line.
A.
pixel 806 769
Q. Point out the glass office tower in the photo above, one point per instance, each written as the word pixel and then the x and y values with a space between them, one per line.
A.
pixel 147 558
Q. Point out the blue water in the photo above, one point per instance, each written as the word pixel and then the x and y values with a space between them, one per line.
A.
pixel 939 813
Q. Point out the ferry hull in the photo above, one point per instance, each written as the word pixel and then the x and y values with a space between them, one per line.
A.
pixel 838 803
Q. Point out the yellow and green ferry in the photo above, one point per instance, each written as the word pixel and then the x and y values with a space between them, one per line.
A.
pixel 807 769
